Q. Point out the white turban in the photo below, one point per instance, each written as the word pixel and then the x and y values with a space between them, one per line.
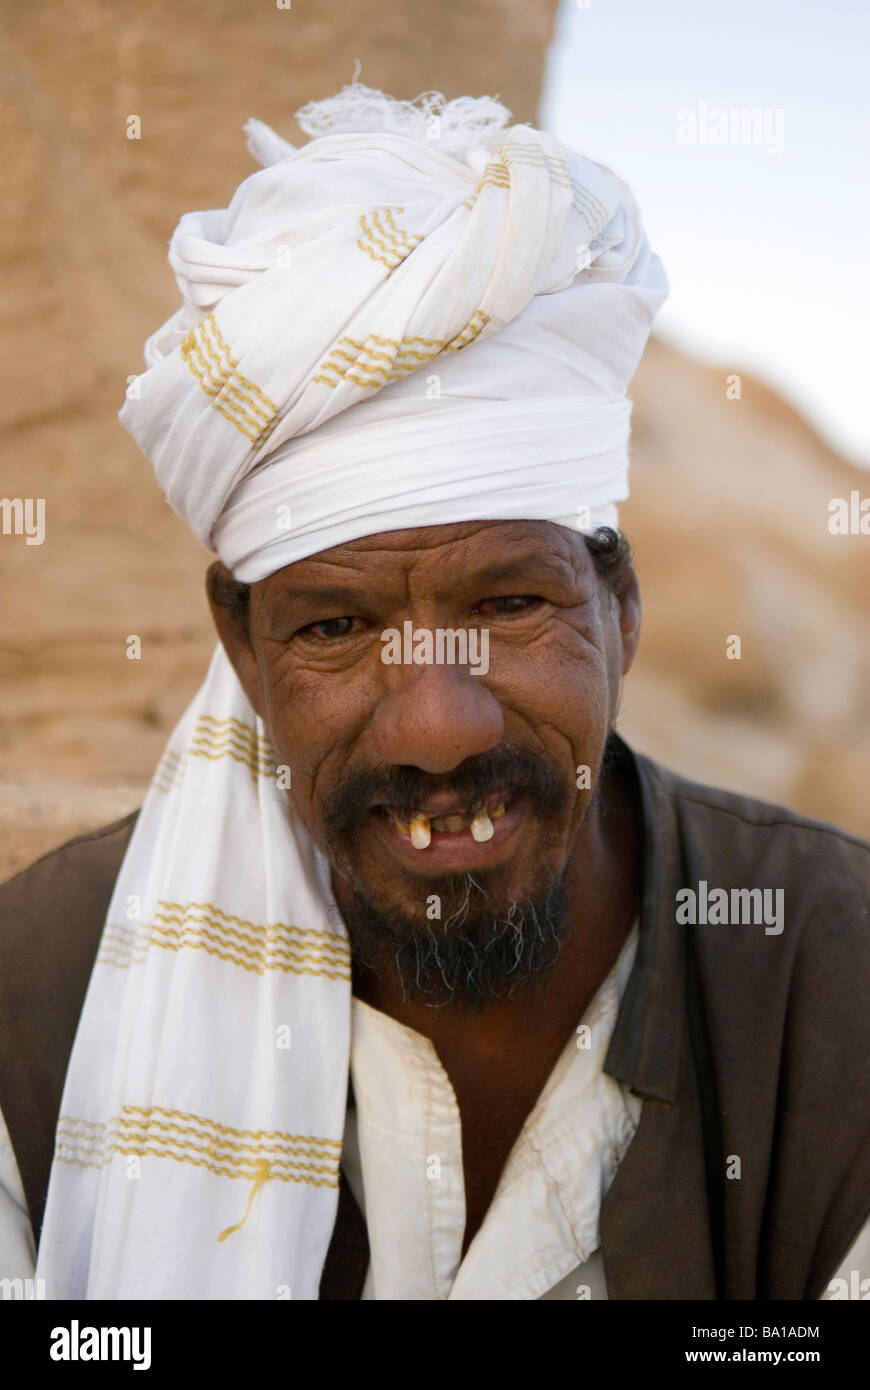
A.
pixel 419 317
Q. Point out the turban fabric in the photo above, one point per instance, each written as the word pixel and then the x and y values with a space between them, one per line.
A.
pixel 391 328
pixel 399 324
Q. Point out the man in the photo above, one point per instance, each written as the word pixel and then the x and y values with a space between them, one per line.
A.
pixel 415 982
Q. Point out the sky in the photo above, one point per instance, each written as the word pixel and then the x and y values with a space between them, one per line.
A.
pixel 766 242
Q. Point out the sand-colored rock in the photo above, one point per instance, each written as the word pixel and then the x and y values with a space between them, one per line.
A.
pixel 729 519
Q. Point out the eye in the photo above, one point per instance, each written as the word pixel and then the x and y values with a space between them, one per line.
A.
pixel 329 628
pixel 515 603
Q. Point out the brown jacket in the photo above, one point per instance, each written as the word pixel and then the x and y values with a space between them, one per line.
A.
pixel 745 1045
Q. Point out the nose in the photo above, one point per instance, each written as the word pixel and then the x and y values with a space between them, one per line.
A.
pixel 434 717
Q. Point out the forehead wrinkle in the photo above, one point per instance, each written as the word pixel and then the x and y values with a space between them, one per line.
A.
pixel 358 581
pixel 372 562
pixel 429 538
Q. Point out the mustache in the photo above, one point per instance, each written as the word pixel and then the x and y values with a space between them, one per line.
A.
pixel 515 769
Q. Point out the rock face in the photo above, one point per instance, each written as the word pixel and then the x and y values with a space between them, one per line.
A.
pixel 729 507
pixel 729 518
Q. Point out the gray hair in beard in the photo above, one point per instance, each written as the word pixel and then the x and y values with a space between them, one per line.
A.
pixel 475 955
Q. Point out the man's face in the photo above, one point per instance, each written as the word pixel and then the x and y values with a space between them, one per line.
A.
pixel 390 760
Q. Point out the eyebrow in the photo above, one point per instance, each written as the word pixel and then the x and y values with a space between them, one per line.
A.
pixel 316 594
pixel 519 567
pixel 525 567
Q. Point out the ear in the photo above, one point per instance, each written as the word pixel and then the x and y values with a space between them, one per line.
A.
pixel 630 611
pixel 229 604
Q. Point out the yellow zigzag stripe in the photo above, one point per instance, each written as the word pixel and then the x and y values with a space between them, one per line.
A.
pixel 278 1152
pixel 399 365
pixel 238 724
pixel 242 737
pixel 213 739
pixel 472 329
pixel 96 1146
pixel 239 400
pixel 276 946
pixel 219 743
pixel 333 942
pixel 231 957
pixel 214 383
pixel 270 1153
pixel 394 342
pixel 277 949
pixel 390 264
pixel 187 1117
pixel 279 932
pixel 256 768
pixel 210 326
pixel 215 380
pixel 323 1163
pixel 254 926
pixel 395 236
pixel 191 1118
pixel 218 738
pixel 389 245
pixel 497 174
pixel 216 1168
pixel 311 950
pixel 222 408
pixel 390 239
pixel 288 958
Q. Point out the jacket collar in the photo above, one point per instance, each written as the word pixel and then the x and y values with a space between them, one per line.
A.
pixel 645 1048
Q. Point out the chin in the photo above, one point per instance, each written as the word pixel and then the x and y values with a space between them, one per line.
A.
pixel 462 947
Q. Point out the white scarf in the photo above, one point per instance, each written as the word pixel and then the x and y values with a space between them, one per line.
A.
pixel 203 1111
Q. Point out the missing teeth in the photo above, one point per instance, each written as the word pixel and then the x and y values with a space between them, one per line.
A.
pixel 419 828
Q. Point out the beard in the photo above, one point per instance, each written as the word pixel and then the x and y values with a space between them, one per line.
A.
pixel 475 954
pixel 472 944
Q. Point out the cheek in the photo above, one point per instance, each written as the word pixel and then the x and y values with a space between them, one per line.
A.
pixel 563 678
pixel 568 710
pixel 313 718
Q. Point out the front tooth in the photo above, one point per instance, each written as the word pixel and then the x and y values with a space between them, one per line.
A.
pixel 421 832
pixel 482 827
pixel 497 811
pixel 455 822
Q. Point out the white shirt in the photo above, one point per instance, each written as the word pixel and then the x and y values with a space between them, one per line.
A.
pixel 403 1159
